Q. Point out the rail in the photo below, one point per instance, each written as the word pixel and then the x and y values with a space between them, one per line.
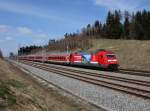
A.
pixel 136 87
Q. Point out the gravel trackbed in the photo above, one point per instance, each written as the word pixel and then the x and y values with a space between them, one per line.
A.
pixel 106 98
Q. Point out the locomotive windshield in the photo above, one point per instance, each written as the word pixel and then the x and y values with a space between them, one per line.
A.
pixel 110 56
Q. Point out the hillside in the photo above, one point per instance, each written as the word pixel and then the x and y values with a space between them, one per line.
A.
pixel 133 54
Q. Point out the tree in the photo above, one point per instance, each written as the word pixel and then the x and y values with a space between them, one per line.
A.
pixel 1 55
pixel 145 22
pixel 97 28
pixel 117 29
pixel 104 31
pixel 113 24
pixel 11 55
pixel 132 33
pixel 109 24
pixel 88 30
pixel 138 26
pixel 52 41
pixel 126 28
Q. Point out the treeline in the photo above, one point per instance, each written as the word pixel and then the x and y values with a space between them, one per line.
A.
pixel 127 26
pixel 75 42
pixel 29 50
pixel 119 25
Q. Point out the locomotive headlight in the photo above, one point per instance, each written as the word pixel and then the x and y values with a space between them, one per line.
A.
pixel 114 60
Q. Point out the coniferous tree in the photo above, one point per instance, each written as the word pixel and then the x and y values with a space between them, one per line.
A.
pixel 114 26
pixel 146 24
pixel 96 26
pixel 104 31
pixel 88 33
pixel 126 28
pixel 11 55
pixel 132 33
pixel 109 25
pixel 117 25
pixel 138 26
pixel 1 55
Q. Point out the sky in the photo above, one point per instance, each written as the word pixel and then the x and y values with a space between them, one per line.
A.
pixel 34 22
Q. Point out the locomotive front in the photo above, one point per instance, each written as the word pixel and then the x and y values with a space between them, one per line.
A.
pixel 105 59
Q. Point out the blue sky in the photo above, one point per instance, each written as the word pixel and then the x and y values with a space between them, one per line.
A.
pixel 26 22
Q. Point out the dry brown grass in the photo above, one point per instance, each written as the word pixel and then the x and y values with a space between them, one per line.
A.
pixel 30 95
pixel 133 54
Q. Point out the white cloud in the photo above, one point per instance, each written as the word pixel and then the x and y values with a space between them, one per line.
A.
pixel 34 34
pixel 130 5
pixel 21 31
pixel 25 30
pixel 4 28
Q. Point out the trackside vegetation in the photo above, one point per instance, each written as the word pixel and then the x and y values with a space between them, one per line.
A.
pixel 7 95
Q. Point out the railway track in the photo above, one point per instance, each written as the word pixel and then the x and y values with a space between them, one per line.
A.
pixel 134 72
pixel 137 87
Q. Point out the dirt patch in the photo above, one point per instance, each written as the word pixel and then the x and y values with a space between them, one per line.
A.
pixel 24 93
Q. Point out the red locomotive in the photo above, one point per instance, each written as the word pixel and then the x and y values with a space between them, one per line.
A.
pixel 100 58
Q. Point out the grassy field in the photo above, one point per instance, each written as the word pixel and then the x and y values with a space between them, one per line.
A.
pixel 20 92
pixel 133 54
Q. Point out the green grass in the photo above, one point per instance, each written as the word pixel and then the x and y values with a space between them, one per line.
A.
pixel 15 83
pixel 6 94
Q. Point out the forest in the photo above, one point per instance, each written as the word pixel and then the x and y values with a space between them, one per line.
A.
pixel 118 25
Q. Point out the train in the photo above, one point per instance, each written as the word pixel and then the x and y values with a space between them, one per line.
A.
pixel 99 58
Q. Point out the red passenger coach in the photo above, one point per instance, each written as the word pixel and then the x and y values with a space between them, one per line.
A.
pixel 99 58
pixel 75 58
pixel 38 58
pixel 59 58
